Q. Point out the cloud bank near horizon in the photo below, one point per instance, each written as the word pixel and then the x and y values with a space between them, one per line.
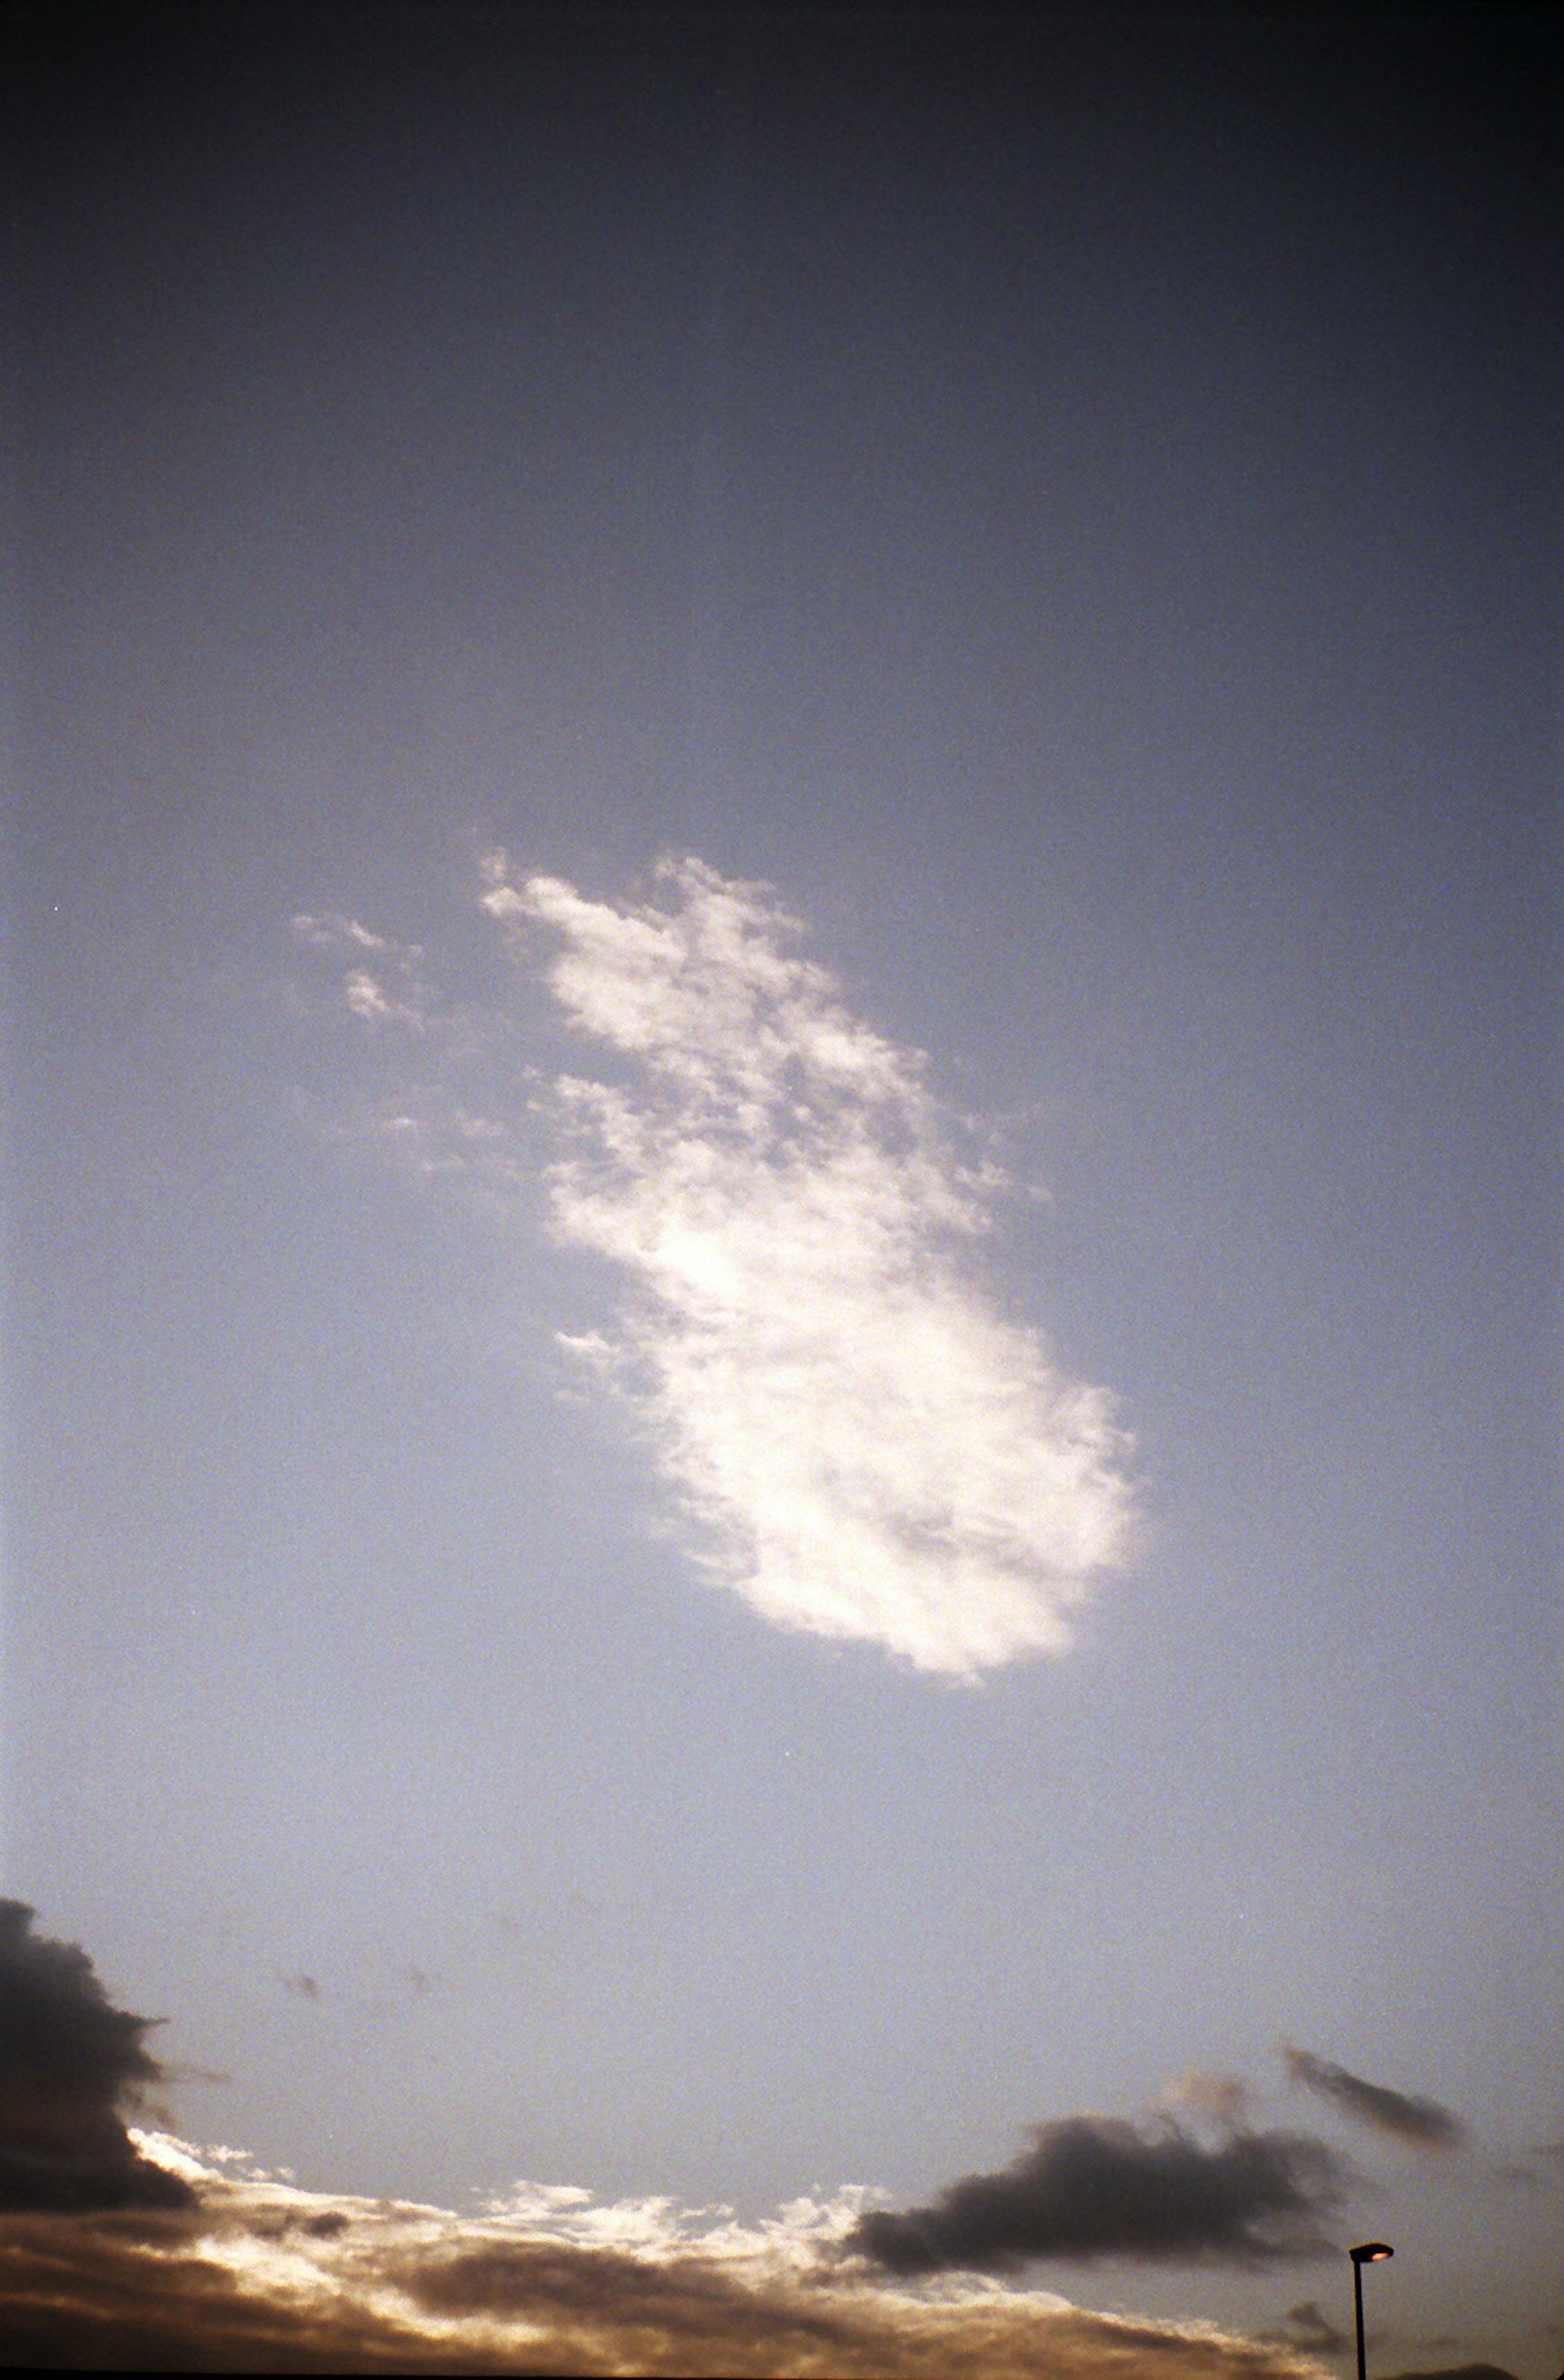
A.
pixel 260 2274
pixel 152 2254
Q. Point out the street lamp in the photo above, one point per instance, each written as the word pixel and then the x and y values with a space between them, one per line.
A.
pixel 1367 2252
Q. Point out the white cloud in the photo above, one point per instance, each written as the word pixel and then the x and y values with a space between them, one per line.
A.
pixel 793 2240
pixel 371 964
pixel 862 1446
pixel 870 1450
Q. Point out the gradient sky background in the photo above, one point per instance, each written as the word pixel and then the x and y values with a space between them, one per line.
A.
pixel 1072 504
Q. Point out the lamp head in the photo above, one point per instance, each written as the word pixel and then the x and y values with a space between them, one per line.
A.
pixel 1370 2252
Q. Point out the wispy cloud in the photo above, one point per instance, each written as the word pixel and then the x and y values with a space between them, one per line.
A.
pixel 862 1445
pixel 1419 2123
pixel 382 982
pixel 1305 2327
pixel 1222 2099
pixel 1547 2173
pixel 1093 2186
pixel 868 1449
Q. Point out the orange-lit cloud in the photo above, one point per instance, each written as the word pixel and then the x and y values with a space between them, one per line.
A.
pixel 128 2250
pixel 263 2277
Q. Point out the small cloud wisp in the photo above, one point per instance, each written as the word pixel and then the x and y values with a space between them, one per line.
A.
pixel 1305 2327
pixel 1417 2123
pixel 1221 2100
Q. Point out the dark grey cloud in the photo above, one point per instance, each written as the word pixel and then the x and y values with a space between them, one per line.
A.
pixel 1420 2123
pixel 1461 2372
pixel 1093 2186
pixel 71 2065
pixel 1305 2327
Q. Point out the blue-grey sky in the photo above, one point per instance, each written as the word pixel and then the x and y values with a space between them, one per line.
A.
pixel 783 1061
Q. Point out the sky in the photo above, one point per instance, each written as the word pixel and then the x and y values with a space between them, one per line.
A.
pixel 781 1157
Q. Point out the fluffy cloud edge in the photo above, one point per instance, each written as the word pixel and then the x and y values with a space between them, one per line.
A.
pixel 846 1429
pixel 264 2275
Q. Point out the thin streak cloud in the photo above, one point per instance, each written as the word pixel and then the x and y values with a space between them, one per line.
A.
pixel 1419 2123
pixel 868 1449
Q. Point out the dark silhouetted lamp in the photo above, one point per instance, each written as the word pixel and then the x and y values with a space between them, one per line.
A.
pixel 1367 2252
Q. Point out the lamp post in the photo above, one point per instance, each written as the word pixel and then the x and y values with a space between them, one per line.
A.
pixel 1367 2252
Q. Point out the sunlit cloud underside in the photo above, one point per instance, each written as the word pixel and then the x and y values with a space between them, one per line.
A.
pixel 260 2275
pixel 866 1448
